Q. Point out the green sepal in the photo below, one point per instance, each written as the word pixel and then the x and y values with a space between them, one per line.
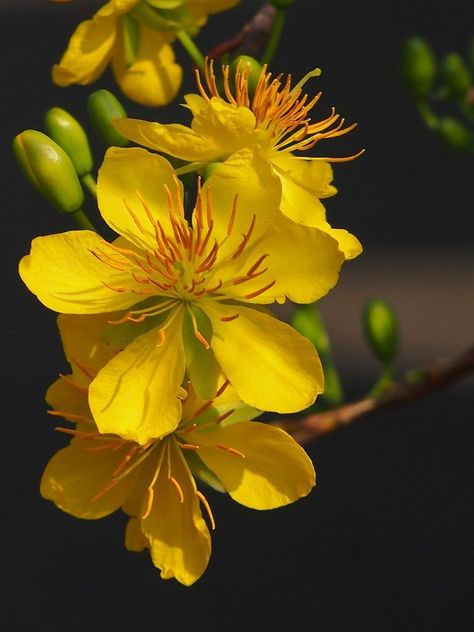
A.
pixel 69 134
pixel 131 38
pixel 200 470
pixel 121 335
pixel 201 363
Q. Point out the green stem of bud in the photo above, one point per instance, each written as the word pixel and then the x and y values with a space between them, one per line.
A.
pixel 90 184
pixel 427 114
pixel 191 48
pixel 192 166
pixel 275 35
pixel 82 220
pixel 384 382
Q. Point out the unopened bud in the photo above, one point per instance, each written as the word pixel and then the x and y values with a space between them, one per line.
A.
pixel 103 107
pixel 247 64
pixel 49 169
pixel 455 134
pixel 456 74
pixel 69 134
pixel 307 321
pixel 418 66
pixel 381 329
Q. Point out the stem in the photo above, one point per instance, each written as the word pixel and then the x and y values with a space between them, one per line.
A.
pixel 431 380
pixel 384 382
pixel 427 115
pixel 82 220
pixel 89 182
pixel 191 48
pixel 275 35
pixel 192 166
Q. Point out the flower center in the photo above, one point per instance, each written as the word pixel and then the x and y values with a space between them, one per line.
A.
pixel 187 262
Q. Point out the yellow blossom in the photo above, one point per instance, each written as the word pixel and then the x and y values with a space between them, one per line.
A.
pixel 134 36
pixel 233 128
pixel 258 465
pixel 188 293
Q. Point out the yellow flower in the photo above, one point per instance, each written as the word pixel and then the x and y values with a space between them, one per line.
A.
pixel 188 293
pixel 134 37
pixel 258 465
pixel 265 130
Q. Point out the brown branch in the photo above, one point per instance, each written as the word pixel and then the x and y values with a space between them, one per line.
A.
pixel 252 38
pixel 430 380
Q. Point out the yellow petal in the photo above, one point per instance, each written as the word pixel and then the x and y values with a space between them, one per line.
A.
pixel 303 273
pixel 82 343
pixel 130 180
pixel 180 544
pixel 270 365
pixel 154 78
pixel 75 476
pixel 303 183
pixel 88 52
pixel 64 397
pixel 348 243
pixel 173 139
pixel 66 277
pixel 134 538
pixel 269 469
pixel 247 177
pixel 227 127
pixel 136 394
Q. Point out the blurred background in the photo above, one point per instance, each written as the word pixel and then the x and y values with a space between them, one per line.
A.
pixel 382 543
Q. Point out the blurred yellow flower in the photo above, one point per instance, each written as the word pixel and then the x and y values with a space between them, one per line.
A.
pixel 134 36
pixel 233 128
pixel 190 291
pixel 258 465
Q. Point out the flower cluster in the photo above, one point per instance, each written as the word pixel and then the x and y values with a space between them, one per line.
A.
pixel 172 346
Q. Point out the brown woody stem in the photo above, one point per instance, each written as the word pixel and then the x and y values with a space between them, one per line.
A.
pixel 430 380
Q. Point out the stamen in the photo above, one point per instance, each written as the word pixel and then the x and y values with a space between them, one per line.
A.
pixel 227 319
pixel 203 499
pixel 222 388
pixel 90 373
pixel 245 239
pixel 189 446
pixel 227 448
pixel 178 488
pixel 261 291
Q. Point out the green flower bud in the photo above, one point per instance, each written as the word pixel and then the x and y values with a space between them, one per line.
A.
pixel 455 134
pixel 241 63
pixel 456 74
pixel 418 66
pixel 69 134
pixel 381 329
pixel 103 107
pixel 49 169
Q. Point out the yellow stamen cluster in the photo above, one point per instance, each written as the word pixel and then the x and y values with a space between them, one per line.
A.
pixel 281 110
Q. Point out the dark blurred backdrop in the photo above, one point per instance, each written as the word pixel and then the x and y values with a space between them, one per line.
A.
pixel 382 543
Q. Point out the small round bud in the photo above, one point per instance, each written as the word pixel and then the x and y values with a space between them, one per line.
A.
pixel 69 134
pixel 418 66
pixel 456 74
pixel 103 107
pixel 381 329
pixel 49 169
pixel 455 134
pixel 245 63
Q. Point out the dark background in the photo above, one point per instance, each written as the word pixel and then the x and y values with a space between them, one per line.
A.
pixel 382 543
